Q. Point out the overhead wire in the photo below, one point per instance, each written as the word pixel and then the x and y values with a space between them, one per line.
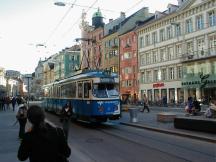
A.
pixel 77 21
pixel 59 23
pixel 133 6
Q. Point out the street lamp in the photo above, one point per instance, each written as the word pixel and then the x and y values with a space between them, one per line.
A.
pixel 28 76
pixel 59 4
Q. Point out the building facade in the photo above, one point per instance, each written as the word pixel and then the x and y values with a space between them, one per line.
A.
pixel 172 46
pixel 128 58
pixel 159 62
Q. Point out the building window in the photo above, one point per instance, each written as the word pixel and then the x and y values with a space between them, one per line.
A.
pixel 212 18
pixel 155 56
pixel 179 50
pixel 143 60
pixel 162 55
pixel 162 35
pixel 200 45
pixel 213 67
pixel 177 30
pixel 212 43
pixel 127 55
pixel 164 74
pixel 199 22
pixel 171 73
pixel 127 83
pixel 127 70
pixel 156 76
pixel 189 26
pixel 170 53
pixel 148 58
pixel 154 37
pixel 115 42
pixel 141 42
pixel 148 76
pixel 169 32
pixel 147 40
pixel 179 72
pixel 190 48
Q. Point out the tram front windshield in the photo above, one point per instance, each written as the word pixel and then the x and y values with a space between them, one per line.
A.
pixel 102 90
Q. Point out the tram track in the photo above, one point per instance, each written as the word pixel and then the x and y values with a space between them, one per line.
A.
pixel 136 138
pixel 99 135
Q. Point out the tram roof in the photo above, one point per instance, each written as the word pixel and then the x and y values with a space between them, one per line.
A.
pixel 90 74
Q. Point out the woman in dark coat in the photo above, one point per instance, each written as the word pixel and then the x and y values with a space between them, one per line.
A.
pixel 44 142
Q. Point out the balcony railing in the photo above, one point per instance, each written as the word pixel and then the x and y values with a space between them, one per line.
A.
pixel 195 55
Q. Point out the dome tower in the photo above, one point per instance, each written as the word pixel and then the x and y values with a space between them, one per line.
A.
pixel 97 19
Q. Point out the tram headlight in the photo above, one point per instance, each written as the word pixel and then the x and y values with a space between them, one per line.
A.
pixel 100 109
pixel 116 108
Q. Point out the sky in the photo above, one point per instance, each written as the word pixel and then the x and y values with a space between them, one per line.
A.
pixel 31 30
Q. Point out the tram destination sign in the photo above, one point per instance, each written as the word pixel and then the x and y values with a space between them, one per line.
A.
pixel 107 80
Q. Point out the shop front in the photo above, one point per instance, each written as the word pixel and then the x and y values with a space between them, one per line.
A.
pixel 164 92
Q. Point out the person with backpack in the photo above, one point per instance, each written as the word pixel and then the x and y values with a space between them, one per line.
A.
pixel 43 142
pixel 22 119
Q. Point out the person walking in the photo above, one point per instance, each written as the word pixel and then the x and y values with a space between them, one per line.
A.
pixel 145 104
pixel 66 117
pixel 43 142
pixel 22 119
pixel 13 101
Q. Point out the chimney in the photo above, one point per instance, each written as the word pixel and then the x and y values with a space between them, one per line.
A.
pixel 110 20
pixel 122 14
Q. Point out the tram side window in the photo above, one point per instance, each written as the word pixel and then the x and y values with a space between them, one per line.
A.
pixel 73 89
pixel 80 90
pixel 63 91
pixel 87 87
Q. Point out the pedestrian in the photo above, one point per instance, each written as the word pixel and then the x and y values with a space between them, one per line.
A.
pixel 13 101
pixel 43 142
pixel 1 103
pixel 66 118
pixel 145 104
pixel 4 103
pixel 22 119
pixel 189 106
pixel 7 102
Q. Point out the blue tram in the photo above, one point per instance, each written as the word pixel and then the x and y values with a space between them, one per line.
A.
pixel 93 95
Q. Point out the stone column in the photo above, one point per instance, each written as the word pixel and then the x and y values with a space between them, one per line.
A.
pixel 198 93
pixel 176 96
pixel 185 94
pixel 168 95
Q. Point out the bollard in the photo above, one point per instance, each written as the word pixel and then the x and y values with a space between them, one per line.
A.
pixel 133 115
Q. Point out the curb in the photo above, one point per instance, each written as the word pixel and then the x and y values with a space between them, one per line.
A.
pixel 198 137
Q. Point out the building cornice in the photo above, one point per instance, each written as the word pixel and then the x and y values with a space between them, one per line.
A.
pixel 173 17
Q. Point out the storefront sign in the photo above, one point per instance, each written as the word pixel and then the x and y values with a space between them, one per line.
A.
pixel 157 85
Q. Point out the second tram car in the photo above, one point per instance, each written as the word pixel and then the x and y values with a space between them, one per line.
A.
pixel 93 96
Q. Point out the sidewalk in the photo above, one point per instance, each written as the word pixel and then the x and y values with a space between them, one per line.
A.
pixel 149 121
pixel 9 136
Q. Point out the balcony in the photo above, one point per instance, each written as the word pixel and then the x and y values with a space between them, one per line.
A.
pixel 197 55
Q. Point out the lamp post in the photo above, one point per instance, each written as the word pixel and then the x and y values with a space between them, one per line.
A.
pixel 28 76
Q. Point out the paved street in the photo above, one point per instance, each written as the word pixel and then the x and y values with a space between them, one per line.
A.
pixel 149 121
pixel 10 143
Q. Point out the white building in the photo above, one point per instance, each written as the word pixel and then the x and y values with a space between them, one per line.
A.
pixel 172 46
